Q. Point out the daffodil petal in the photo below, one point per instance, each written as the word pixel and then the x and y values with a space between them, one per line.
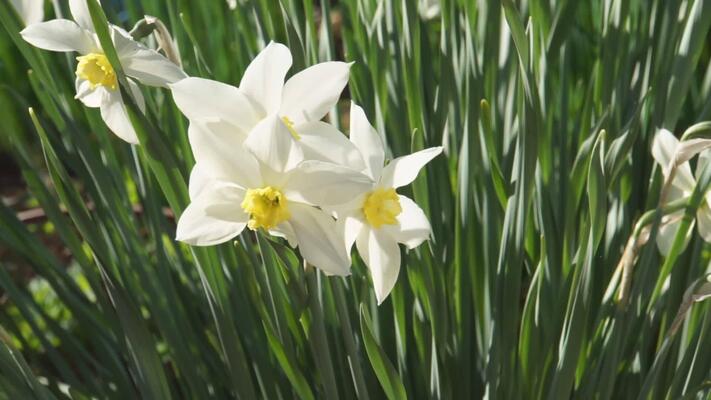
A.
pixel 142 63
pixel 668 230
pixel 318 240
pixel 90 97
pixel 59 35
pixel 207 100
pixel 199 180
pixel 368 142
pixel 350 225
pixel 311 93
pixel 214 217
pixel 113 112
pixel 322 141
pixel 263 79
pixel 217 148
pixel 31 11
pixel 664 148
pixel 403 170
pixel 691 147
pixel 325 184
pixel 272 143
pixel 703 161
pixel 413 227
pixel 80 13
pixel 381 254
pixel 285 231
pixel 703 217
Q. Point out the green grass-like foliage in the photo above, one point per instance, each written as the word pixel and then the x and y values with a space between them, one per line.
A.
pixel 546 109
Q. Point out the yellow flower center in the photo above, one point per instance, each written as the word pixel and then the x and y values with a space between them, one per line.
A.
pixel 290 126
pixel 96 69
pixel 381 207
pixel 267 207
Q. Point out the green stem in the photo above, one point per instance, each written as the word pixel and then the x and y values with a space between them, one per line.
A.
pixel 317 335
pixel 347 331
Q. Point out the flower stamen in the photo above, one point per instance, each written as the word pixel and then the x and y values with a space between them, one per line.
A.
pixel 381 207
pixel 267 207
pixel 97 70
pixel 290 126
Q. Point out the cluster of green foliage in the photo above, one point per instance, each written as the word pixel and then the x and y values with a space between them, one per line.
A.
pixel 546 109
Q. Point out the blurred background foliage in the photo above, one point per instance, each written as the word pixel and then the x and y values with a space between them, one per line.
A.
pixel 546 109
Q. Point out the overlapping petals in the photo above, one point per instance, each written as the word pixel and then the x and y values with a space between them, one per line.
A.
pixel 670 154
pixel 397 218
pixel 139 62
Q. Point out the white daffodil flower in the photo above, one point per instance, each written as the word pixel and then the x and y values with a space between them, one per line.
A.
pixel 96 81
pixel 379 219
pixel 230 189
pixel 299 104
pixel 31 11
pixel 429 9
pixel 669 153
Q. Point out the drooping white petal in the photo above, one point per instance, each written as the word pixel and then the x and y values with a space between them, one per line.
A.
pixel 668 230
pixel 31 11
pixel 322 141
pixel 206 100
pixel 89 97
pixel 664 148
pixel 368 142
pixel 703 216
pixel 381 254
pixel 318 239
pixel 114 114
pixel 217 148
pixel 80 13
pixel 403 170
pixel 263 79
pixel 325 184
pixel 59 35
pixel 272 143
pixel 691 147
pixel 311 93
pixel 350 225
pixel 670 224
pixel 214 217
pixel 413 228
pixel 142 63
pixel 703 161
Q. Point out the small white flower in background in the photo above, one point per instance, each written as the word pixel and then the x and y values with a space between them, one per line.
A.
pixel 379 218
pixel 31 11
pixel 299 104
pixel 230 189
pixel 429 9
pixel 96 81
pixel 670 153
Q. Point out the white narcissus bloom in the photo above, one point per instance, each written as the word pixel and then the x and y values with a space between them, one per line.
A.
pixel 667 150
pixel 299 104
pixel 230 189
pixel 379 219
pixel 429 9
pixel 31 11
pixel 96 81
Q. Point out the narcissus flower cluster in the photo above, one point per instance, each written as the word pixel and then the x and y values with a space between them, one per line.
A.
pixel 266 161
pixel 96 81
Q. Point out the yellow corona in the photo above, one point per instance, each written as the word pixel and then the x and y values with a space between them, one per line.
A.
pixel 381 207
pixel 267 207
pixel 96 69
